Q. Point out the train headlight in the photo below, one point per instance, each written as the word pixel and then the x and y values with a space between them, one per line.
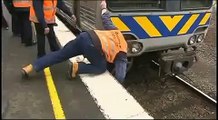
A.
pixel 136 47
pixel 200 38
pixel 192 40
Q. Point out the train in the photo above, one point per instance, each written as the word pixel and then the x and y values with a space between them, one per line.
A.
pixel 168 30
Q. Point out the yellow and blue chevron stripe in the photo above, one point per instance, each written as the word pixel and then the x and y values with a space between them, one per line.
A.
pixel 161 26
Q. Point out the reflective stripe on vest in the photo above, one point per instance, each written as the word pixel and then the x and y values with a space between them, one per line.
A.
pixel 49 9
pixel 21 3
pixel 112 42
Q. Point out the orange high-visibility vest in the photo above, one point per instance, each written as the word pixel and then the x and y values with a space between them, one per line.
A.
pixel 21 3
pixel 112 42
pixel 49 9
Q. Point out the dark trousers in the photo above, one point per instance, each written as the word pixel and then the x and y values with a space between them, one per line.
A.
pixel 4 22
pixel 15 24
pixel 82 45
pixel 41 39
pixel 25 27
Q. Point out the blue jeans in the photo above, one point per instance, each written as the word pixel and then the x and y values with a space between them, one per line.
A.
pixel 82 45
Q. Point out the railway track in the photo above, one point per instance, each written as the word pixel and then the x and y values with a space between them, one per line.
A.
pixel 173 99
pixel 195 89
pixel 147 92
pixel 192 87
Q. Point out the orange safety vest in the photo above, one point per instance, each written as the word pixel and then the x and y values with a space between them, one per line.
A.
pixel 112 42
pixel 21 3
pixel 49 9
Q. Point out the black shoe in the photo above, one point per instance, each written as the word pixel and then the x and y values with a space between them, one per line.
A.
pixel 16 35
pixel 34 42
pixel 6 27
pixel 24 74
pixel 29 44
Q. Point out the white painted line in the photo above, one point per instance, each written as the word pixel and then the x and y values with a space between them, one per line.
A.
pixel 63 34
pixel 113 100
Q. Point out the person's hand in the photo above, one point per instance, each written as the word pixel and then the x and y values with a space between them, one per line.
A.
pixel 46 30
pixel 103 4
pixel 74 18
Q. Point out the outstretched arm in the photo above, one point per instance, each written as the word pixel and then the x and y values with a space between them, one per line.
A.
pixel 61 5
pixel 106 18
pixel 120 66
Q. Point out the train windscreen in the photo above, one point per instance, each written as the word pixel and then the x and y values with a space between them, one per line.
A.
pixel 135 5
pixel 195 4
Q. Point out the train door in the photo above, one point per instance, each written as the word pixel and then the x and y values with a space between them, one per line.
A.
pixel 88 14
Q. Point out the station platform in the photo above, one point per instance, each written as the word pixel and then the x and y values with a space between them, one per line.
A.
pixel 50 95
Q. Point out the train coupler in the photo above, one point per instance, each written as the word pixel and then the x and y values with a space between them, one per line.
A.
pixel 175 62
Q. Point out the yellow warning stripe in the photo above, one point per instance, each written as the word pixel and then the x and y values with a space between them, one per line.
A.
pixel 171 22
pixel 118 23
pixel 146 24
pixel 188 24
pixel 205 19
pixel 56 104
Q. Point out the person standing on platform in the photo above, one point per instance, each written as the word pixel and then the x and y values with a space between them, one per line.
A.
pixel 4 22
pixel 98 46
pixel 22 9
pixel 14 18
pixel 42 13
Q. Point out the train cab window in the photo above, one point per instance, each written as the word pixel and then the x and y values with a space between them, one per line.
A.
pixel 135 5
pixel 195 4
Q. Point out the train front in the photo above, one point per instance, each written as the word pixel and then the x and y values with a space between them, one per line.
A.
pixel 163 26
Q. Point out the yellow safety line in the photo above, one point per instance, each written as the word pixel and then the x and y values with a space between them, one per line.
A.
pixel 56 104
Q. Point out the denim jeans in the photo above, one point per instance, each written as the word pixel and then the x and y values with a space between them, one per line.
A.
pixel 82 45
